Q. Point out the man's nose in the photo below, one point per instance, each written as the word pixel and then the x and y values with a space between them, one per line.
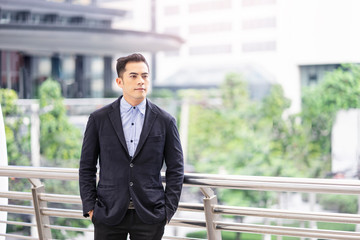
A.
pixel 141 80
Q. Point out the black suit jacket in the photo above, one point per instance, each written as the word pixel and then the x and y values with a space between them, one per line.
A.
pixel 123 176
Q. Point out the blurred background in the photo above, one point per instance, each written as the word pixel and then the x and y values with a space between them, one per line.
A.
pixel 258 87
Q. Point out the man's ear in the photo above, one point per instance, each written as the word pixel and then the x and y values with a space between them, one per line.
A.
pixel 119 82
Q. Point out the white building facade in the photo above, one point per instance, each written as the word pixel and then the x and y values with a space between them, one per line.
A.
pixel 290 42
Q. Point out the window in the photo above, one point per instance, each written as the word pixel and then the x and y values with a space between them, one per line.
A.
pixel 171 10
pixel 259 46
pixel 207 28
pixel 213 49
pixel 269 22
pixel 210 5
pixel 249 3
pixel 313 74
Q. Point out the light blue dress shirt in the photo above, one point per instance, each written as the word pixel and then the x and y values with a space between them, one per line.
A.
pixel 132 122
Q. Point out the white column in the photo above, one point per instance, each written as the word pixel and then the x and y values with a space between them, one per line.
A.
pixel 35 148
pixel 35 135
pixel 4 183
pixel 184 127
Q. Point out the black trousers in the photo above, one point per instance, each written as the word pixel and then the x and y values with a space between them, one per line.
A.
pixel 131 224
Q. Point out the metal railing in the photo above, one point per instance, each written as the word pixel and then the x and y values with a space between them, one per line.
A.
pixel 213 221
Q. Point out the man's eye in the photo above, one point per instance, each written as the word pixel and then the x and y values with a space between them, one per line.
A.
pixel 145 76
pixel 133 76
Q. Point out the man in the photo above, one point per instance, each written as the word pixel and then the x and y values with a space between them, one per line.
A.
pixel 131 138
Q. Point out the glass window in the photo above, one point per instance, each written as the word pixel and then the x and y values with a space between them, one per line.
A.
pixel 209 6
pixel 256 23
pixel 212 49
pixel 259 46
pixel 249 3
pixel 209 28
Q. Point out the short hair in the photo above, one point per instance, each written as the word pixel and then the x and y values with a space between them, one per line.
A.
pixel 121 62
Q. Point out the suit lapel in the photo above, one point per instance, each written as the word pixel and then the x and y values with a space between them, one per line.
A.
pixel 115 119
pixel 150 116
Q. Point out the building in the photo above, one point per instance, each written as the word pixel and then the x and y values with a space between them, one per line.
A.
pixel 74 42
pixel 293 43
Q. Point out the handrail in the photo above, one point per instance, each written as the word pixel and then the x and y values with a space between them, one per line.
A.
pixel 335 186
pixel 211 208
pixel 288 231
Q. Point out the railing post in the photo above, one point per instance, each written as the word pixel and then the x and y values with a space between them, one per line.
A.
pixel 41 220
pixel 210 200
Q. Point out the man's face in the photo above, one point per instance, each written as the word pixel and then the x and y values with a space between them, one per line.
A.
pixel 134 82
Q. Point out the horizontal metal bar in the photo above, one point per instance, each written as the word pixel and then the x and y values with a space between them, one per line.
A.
pixel 189 177
pixel 14 236
pixel 25 224
pixel 283 187
pixel 181 238
pixel 287 231
pixel 66 213
pixel 285 214
pixel 60 198
pixel 43 175
pixel 194 207
pixel 16 195
pixel 40 169
pixel 75 229
pixel 188 223
pixel 17 209
pixel 335 186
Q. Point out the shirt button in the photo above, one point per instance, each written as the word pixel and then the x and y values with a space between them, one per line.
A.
pixel 134 107
pixel 131 184
pixel 131 140
pixel 132 124
pixel 131 165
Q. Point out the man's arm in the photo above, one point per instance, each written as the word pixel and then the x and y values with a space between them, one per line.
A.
pixel 87 170
pixel 174 169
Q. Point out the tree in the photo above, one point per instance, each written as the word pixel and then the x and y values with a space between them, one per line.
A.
pixel 339 90
pixel 17 133
pixel 60 144
pixel 59 140
pixel 18 150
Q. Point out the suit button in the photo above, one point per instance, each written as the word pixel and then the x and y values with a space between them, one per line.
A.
pixel 131 165
pixel 131 184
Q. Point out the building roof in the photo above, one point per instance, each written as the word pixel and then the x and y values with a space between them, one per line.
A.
pixel 42 6
pixel 82 40
pixel 26 30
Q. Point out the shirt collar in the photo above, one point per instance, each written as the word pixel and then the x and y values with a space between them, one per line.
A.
pixel 125 106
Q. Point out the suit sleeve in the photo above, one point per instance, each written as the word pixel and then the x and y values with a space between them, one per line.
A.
pixel 87 170
pixel 174 169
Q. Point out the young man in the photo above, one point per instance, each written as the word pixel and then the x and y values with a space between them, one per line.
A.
pixel 130 139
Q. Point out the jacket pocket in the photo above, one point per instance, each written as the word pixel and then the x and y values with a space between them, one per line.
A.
pixel 157 138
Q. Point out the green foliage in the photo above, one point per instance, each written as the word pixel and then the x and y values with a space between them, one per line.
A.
pixel 234 236
pixel 245 137
pixel 226 235
pixel 17 133
pixel 234 91
pixel 339 90
pixel 339 203
pixel 18 149
pixel 59 140
pixel 60 145
pixel 337 226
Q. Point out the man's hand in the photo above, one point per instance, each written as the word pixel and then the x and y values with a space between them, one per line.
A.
pixel 91 214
